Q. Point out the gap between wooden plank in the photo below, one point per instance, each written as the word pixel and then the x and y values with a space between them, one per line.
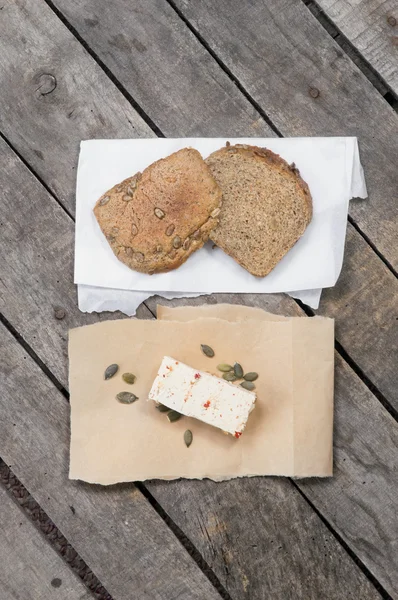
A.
pixel 372 245
pixel 355 55
pixel 179 534
pixel 185 541
pixel 351 363
pixel 33 511
pixel 224 67
pixel 128 96
pixel 107 71
pixel 384 594
pixel 29 350
pixel 35 174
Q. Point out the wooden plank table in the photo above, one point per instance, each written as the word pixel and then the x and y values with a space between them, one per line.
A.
pixel 72 70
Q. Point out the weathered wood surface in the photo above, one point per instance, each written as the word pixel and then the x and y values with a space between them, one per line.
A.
pixel 372 27
pixel 365 441
pixel 366 270
pixel 364 303
pixel 43 122
pixel 115 530
pixel 250 551
pixel 280 67
pixel 127 547
pixel 47 336
pixel 361 500
pixel 66 155
pixel 29 567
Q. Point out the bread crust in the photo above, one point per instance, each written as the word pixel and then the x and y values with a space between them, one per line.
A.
pixel 155 220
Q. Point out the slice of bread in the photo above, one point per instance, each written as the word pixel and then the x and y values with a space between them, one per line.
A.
pixel 155 220
pixel 266 206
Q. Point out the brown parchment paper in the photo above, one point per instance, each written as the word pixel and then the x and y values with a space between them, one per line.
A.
pixel 288 433
pixel 313 378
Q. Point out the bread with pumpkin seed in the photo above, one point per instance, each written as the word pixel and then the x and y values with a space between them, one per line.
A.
pixel 266 206
pixel 156 219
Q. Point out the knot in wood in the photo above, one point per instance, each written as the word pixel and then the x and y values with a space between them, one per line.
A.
pixel 59 312
pixel 46 83
pixel 314 92
pixel 392 21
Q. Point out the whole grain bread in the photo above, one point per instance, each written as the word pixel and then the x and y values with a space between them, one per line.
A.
pixel 155 220
pixel 266 206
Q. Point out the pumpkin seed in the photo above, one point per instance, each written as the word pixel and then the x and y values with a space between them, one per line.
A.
pixel 162 408
pixel 128 378
pixel 238 371
pixel 230 376
pixel 111 371
pixel 139 257
pixel 224 367
pixel 173 416
pixel 177 242
pixel 126 397
pixel 207 350
pixel 248 385
pixel 134 229
pixel 196 234
pixel 159 213
pixel 119 188
pixel 170 229
pixel 252 376
pixel 215 212
pixel 104 200
pixel 187 243
pixel 188 438
pixel 126 198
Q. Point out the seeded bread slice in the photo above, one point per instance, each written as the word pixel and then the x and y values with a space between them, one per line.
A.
pixel 266 206
pixel 155 220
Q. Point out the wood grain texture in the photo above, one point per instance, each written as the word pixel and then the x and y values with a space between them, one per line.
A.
pixel 160 62
pixel 53 94
pixel 29 567
pixel 367 435
pixel 248 542
pixel 36 250
pixel 114 529
pixel 372 27
pixel 362 500
pixel 279 51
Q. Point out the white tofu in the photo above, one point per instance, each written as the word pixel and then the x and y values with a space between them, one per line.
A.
pixel 202 396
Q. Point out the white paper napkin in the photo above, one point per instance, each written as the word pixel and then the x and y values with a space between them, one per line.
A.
pixel 331 167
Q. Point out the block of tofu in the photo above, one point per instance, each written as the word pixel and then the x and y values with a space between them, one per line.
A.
pixel 203 396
